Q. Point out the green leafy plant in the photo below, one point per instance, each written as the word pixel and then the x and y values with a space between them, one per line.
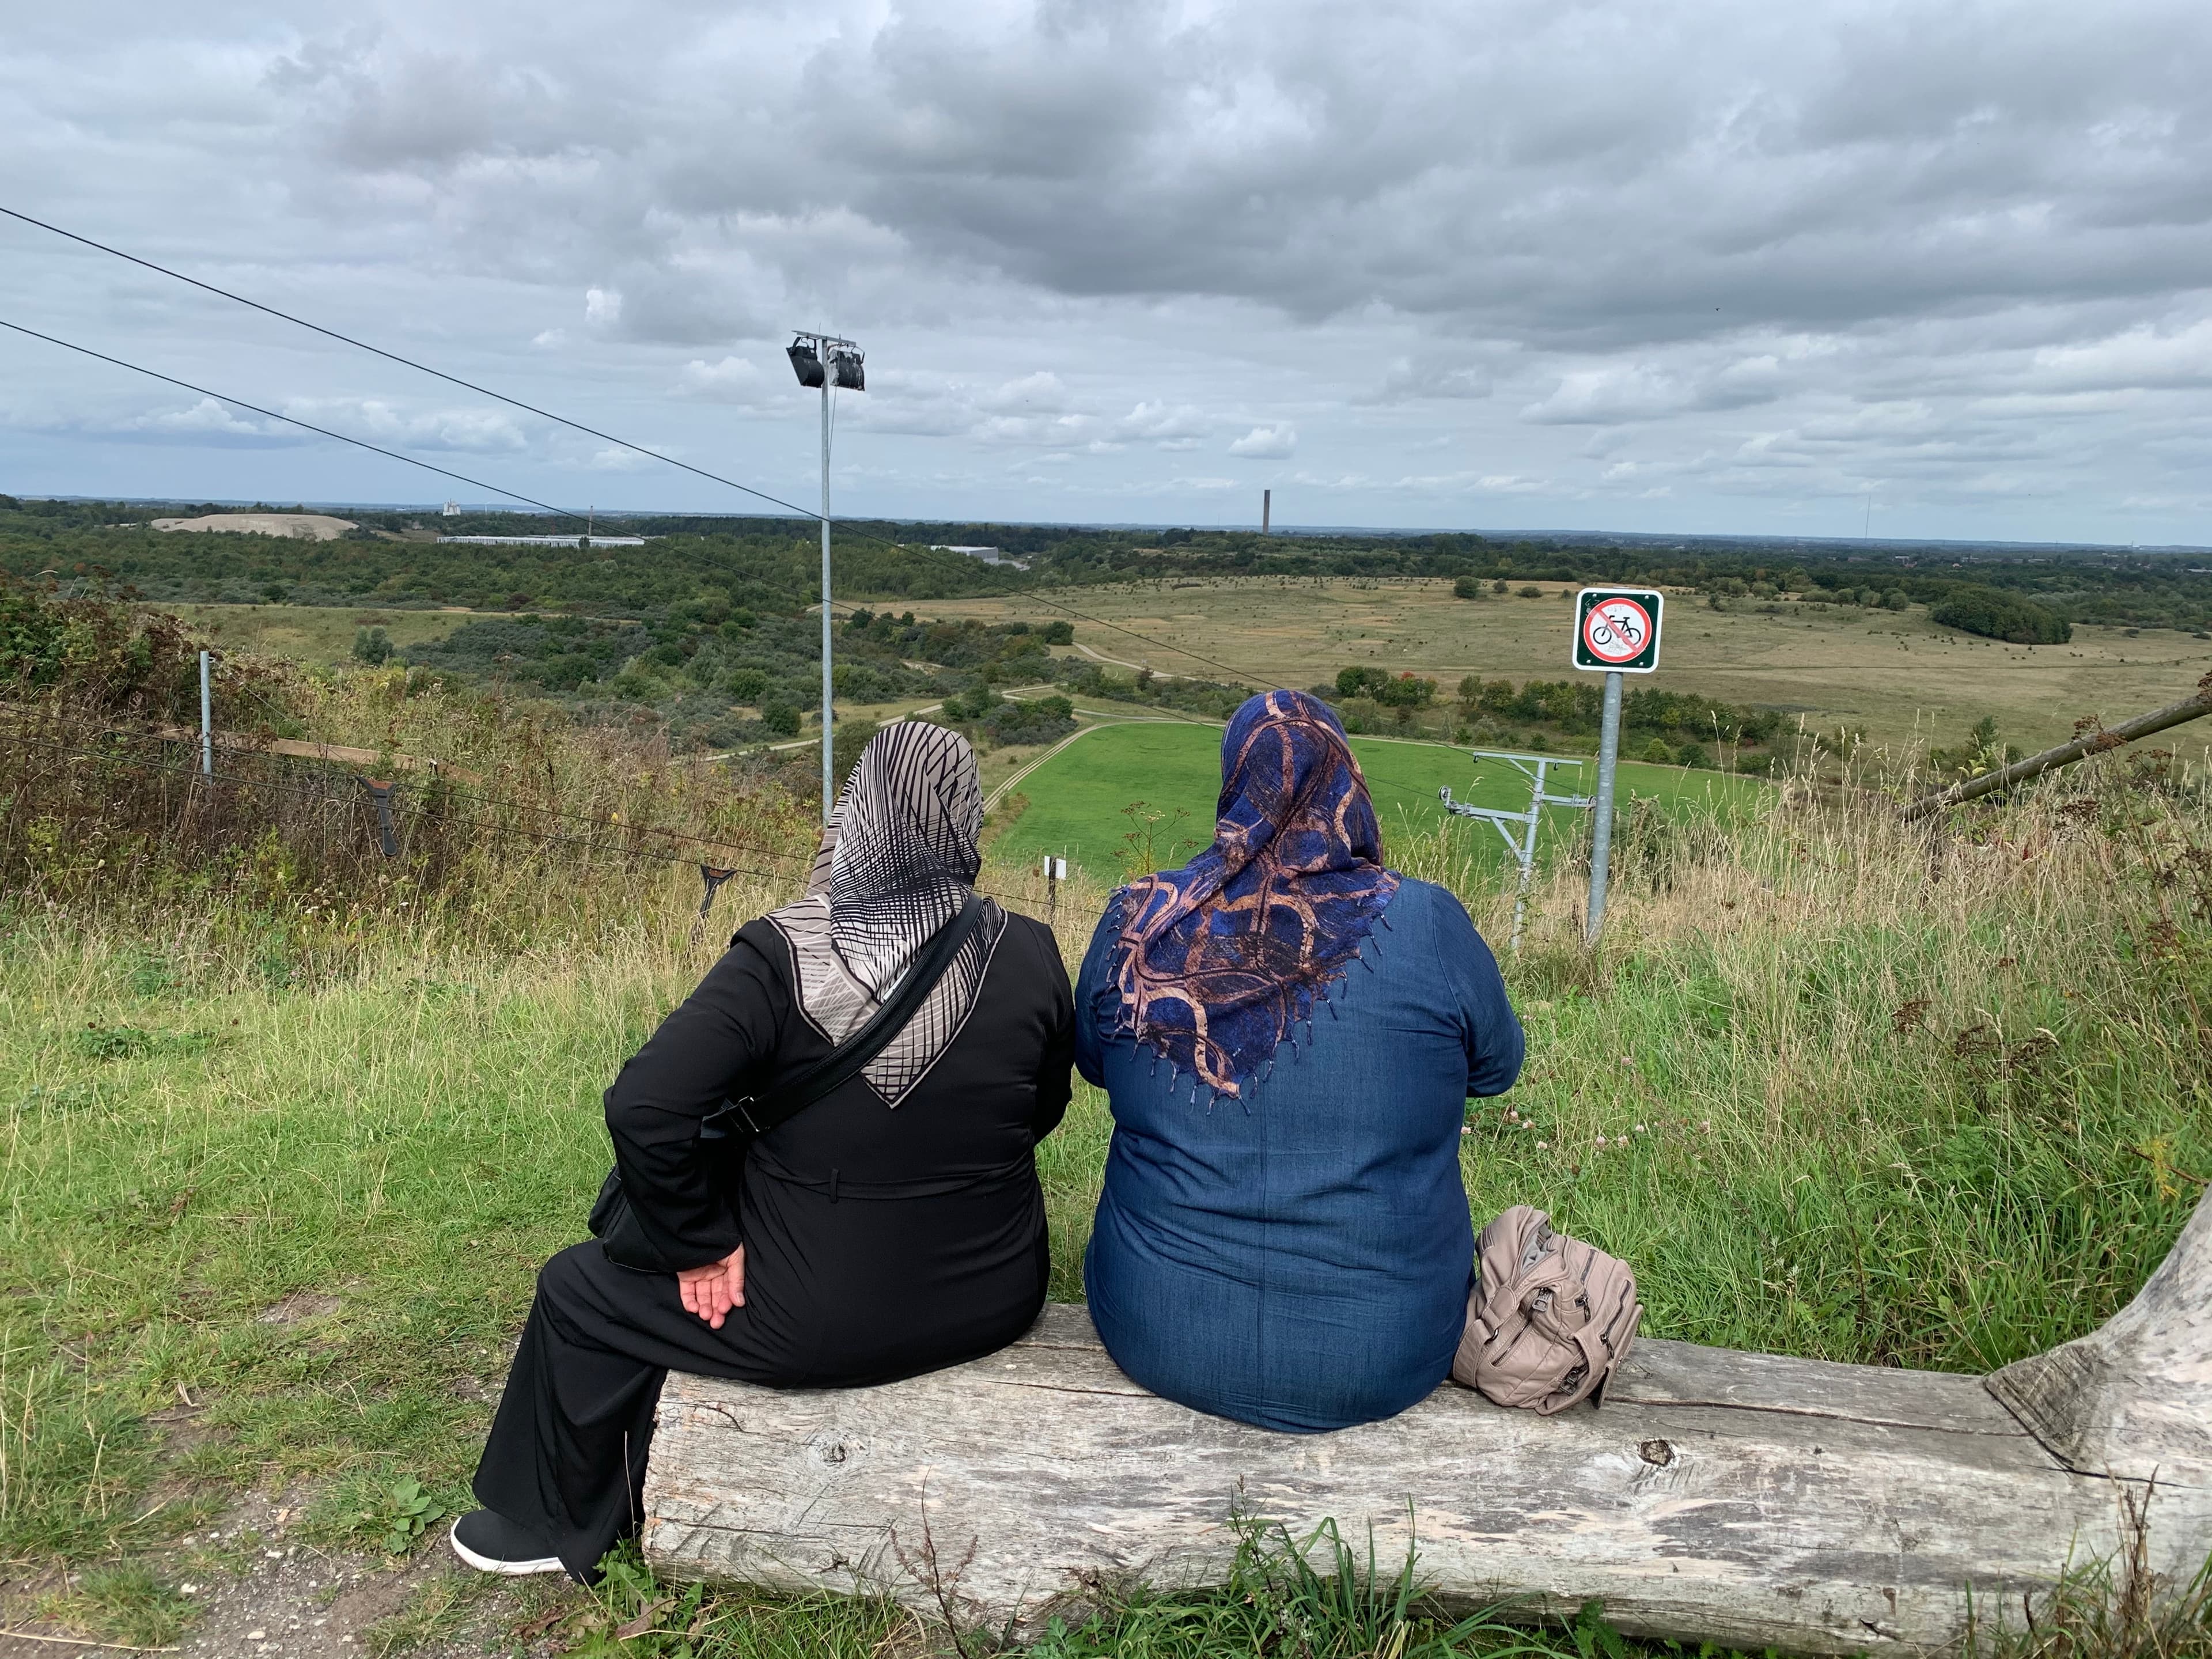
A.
pixel 413 1511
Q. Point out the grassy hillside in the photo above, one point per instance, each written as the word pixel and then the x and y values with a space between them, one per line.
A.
pixel 1824 1104
pixel 287 1124
pixel 1075 800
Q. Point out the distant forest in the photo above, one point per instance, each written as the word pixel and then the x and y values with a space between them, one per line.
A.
pixel 771 564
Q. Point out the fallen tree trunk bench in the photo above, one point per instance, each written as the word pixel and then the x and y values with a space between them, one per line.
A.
pixel 1747 1498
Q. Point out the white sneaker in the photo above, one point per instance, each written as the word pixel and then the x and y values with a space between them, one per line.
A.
pixel 492 1543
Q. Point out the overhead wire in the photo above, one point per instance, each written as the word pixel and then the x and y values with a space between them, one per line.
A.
pixel 849 525
pixel 291 420
pixel 405 361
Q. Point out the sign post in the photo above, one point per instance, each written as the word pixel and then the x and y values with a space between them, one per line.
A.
pixel 207 722
pixel 1616 633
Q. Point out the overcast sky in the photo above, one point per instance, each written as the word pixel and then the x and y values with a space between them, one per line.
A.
pixel 1939 267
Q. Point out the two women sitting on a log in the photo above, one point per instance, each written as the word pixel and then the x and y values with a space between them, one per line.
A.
pixel 1286 1031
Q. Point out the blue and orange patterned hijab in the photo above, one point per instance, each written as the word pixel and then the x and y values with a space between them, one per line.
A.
pixel 1217 961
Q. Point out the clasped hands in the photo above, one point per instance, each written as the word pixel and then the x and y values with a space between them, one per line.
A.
pixel 712 1290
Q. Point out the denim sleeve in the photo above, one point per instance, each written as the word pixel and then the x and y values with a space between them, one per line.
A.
pixel 1495 1046
pixel 1090 1039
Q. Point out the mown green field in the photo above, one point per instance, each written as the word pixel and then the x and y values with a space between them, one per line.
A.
pixel 1077 799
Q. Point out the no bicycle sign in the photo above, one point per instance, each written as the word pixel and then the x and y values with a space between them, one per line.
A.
pixel 1617 629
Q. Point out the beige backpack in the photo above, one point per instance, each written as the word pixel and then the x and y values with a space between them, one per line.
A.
pixel 1548 1317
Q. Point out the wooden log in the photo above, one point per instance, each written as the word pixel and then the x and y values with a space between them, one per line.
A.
pixel 2133 1399
pixel 1748 1498
pixel 2083 744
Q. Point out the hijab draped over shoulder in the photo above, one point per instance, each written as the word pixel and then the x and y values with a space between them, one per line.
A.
pixel 1217 961
pixel 897 860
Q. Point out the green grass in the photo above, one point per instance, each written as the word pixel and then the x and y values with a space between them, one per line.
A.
pixel 1076 799
pixel 320 635
pixel 1847 1110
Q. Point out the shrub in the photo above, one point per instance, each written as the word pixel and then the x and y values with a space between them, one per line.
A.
pixel 1658 753
pixel 845 746
pixel 746 685
pixel 371 646
pixel 1692 755
pixel 973 704
pixel 780 719
pixel 1995 615
pixel 1467 587
pixel 1406 691
pixel 1532 591
pixel 1047 719
pixel 1391 691
pixel 1895 599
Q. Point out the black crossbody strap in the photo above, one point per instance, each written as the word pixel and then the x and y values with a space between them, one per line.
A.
pixel 849 1058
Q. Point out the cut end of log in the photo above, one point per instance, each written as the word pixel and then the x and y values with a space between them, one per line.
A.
pixel 2133 1399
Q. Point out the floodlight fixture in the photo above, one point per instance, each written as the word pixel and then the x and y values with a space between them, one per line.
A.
pixel 805 362
pixel 827 361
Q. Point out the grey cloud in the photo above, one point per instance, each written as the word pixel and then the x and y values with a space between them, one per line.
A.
pixel 1567 254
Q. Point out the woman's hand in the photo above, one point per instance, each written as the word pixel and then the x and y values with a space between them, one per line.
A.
pixel 712 1290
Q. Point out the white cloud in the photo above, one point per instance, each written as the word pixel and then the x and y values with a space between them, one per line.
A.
pixel 733 380
pixel 1267 443
pixel 206 417
pixel 481 430
pixel 623 460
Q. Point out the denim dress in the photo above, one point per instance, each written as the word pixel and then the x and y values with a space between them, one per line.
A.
pixel 1299 1258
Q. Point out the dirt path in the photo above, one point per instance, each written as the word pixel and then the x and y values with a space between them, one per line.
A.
pixel 261 1590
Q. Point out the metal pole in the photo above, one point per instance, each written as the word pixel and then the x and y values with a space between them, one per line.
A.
pixel 207 722
pixel 829 795
pixel 1609 743
pixel 1526 861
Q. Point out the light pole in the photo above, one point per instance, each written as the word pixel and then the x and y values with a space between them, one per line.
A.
pixel 826 361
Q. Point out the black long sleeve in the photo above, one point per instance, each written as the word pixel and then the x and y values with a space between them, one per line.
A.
pixel 1055 1080
pixel 710 1049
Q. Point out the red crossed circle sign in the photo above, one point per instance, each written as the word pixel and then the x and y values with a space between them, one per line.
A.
pixel 1616 629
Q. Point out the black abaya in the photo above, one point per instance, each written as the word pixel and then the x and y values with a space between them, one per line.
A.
pixel 879 1243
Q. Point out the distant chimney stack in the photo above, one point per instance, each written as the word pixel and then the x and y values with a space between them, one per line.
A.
pixel 1267 510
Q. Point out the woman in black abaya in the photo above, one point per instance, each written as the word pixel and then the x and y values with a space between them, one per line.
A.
pixel 893 1227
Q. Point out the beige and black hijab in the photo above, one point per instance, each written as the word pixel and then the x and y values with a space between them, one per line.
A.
pixel 898 860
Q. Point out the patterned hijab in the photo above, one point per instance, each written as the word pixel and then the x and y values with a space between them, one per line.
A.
pixel 897 860
pixel 1217 961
